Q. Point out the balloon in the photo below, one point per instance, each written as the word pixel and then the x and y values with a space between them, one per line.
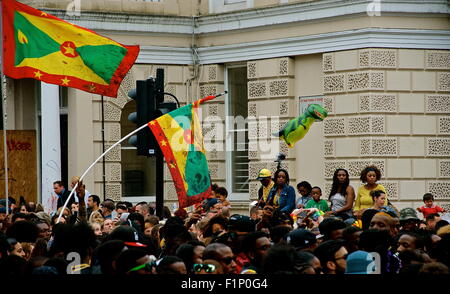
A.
pixel 297 128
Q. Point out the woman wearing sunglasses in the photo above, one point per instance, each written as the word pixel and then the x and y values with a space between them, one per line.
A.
pixel 208 266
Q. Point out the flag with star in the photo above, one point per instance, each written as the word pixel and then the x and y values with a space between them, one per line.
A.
pixel 179 135
pixel 40 46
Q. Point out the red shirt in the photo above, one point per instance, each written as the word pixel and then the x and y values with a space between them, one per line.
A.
pixel 429 210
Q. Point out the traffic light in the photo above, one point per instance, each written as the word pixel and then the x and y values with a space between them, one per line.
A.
pixel 161 106
pixel 144 95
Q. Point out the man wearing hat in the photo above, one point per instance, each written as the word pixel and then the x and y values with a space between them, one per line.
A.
pixel 302 240
pixel 362 263
pixel 409 220
pixel 265 177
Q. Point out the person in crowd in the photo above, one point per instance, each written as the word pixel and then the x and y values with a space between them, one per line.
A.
pixel 430 207
pixel 171 265
pixel 265 177
pixel 73 181
pixel 256 213
pixel 62 193
pixel 342 195
pixel 222 194
pixel 149 223
pixel 282 259
pixel 255 246
pixel 332 228
pixel 304 189
pixel 369 177
pixel 382 242
pixel 135 262
pixel 208 266
pixel 302 240
pixel 385 221
pixel 431 220
pixel 410 240
pixel 350 235
pixel 332 255
pixel 409 221
pixel 282 195
pixel 107 227
pixel 15 248
pixel 143 209
pixel 222 254
pixel 316 202
pixel 191 253
pixel 107 207
pixel 93 206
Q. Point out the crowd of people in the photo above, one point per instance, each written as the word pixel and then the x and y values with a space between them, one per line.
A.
pixel 348 232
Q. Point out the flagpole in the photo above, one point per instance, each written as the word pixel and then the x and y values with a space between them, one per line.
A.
pixel 3 88
pixel 92 165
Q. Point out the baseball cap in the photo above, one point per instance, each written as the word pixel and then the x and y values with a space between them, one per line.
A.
pixel 241 223
pixel 360 263
pixel 264 173
pixel 211 202
pixel 301 238
pixel 408 214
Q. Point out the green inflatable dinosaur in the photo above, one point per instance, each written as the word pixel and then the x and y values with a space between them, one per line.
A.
pixel 297 128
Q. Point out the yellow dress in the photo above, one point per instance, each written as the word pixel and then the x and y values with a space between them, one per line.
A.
pixel 364 200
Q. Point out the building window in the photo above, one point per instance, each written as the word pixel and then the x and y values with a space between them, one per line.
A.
pixel 138 172
pixel 237 132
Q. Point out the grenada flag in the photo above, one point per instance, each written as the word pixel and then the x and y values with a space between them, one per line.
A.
pixel 40 46
pixel 179 135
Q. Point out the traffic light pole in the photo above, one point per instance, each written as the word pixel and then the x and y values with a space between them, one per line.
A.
pixel 159 183
pixel 159 98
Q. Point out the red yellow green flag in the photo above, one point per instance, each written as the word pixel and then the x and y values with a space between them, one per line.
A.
pixel 40 46
pixel 179 135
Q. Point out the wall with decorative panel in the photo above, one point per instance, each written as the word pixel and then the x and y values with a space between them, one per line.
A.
pixel 390 107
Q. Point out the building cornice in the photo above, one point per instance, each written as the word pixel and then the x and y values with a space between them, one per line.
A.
pixel 250 19
pixel 320 43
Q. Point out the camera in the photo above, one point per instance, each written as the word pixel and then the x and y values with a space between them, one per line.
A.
pixel 280 158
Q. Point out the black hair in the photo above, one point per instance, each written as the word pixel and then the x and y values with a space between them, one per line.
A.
pixel 19 215
pixel 249 241
pixel 106 253
pixel 128 259
pixel 368 169
pixel 221 191
pixel 186 253
pixel 325 251
pixel 121 206
pixel 137 218
pixel 431 216
pixel 316 187
pixel 305 184
pixel 280 259
pixel 419 239
pixel 23 231
pixel 214 187
pixel 277 233
pixel 95 199
pixel 428 196
pixel 366 218
pixel 374 240
pixel 376 194
pixel 164 264
pixel 330 224
pixel 336 185
pixel 77 237
pixel 275 176
pixel 306 257
pixel 350 230
pixel 59 183
pixel 217 219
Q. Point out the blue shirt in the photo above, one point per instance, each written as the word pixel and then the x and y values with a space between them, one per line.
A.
pixel 286 200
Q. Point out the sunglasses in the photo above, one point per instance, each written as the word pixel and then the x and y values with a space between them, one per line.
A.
pixel 227 260
pixel 146 266
pixel 209 268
